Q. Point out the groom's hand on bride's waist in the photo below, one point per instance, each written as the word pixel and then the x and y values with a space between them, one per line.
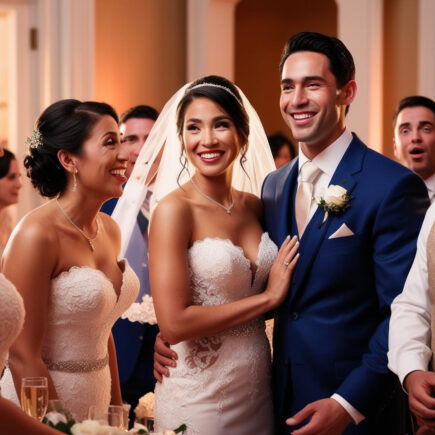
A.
pixel 164 357
pixel 326 417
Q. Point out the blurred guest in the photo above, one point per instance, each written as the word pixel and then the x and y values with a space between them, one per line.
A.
pixel 282 149
pixel 10 185
pixel 414 138
pixel 63 259
pixel 135 125
pixel 135 341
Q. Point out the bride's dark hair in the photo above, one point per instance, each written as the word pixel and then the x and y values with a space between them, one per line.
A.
pixel 224 93
pixel 64 125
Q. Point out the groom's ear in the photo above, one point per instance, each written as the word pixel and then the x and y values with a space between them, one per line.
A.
pixel 347 93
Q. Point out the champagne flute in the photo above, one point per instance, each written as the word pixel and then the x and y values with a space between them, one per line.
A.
pixel 112 416
pixel 34 396
pixel 126 411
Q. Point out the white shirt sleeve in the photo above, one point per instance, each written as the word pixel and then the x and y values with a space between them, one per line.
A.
pixel 354 413
pixel 410 324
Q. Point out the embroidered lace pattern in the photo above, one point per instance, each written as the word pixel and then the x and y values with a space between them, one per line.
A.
pixel 221 378
pixel 82 308
pixel 11 317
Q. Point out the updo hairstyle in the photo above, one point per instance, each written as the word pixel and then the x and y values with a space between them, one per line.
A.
pixel 64 125
pixel 5 162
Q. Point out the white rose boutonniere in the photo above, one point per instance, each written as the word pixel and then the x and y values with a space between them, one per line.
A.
pixel 334 201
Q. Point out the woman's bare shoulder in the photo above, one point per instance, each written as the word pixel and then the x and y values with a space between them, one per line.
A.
pixel 37 226
pixel 174 206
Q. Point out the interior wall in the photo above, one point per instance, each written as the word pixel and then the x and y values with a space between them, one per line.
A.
pixel 4 82
pixel 262 29
pixel 400 59
pixel 140 51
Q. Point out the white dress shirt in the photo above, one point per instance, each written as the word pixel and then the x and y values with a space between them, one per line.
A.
pixel 327 161
pixel 410 324
pixel 430 184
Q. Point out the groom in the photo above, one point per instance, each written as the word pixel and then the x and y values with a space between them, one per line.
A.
pixel 331 334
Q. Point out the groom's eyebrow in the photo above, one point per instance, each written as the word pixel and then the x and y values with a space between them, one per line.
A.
pixel 304 79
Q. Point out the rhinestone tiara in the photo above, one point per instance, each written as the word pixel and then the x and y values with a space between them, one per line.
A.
pixel 214 85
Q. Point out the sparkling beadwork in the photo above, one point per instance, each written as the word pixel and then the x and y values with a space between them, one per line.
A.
pixel 80 366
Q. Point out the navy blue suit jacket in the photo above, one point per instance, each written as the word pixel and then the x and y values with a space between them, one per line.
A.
pixel 331 333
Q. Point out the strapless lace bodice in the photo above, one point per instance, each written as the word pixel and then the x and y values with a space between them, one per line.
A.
pixel 11 316
pixel 82 308
pixel 222 383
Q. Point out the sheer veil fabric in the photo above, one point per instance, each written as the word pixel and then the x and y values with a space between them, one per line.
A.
pixel 170 175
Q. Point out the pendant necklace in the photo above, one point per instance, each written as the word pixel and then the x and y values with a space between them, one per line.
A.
pixel 227 209
pixel 89 239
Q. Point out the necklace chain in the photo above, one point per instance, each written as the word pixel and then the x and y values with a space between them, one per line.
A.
pixel 89 239
pixel 227 209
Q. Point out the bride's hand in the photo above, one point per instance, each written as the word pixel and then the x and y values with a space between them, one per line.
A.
pixel 281 271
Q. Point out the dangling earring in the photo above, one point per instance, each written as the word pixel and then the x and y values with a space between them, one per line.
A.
pixel 74 188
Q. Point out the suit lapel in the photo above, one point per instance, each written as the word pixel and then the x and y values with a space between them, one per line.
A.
pixel 315 233
pixel 284 193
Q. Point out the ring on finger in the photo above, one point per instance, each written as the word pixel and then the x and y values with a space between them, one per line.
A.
pixel 286 263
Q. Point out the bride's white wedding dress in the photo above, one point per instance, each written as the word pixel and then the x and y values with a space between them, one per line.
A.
pixel 221 384
pixel 82 308
pixel 11 317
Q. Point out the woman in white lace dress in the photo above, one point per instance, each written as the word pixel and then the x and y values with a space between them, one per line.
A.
pixel 209 264
pixel 12 419
pixel 63 259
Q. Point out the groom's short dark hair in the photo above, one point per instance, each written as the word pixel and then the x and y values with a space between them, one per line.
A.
pixel 341 61
pixel 413 101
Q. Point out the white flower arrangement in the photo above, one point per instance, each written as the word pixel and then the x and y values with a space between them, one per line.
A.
pixel 55 417
pixel 142 312
pixel 145 407
pixel 92 427
pixel 334 201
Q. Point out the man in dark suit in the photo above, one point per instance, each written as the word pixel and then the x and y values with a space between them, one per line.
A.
pixel 134 341
pixel 357 242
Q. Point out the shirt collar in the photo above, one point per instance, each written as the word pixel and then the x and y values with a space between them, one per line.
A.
pixel 430 183
pixel 328 160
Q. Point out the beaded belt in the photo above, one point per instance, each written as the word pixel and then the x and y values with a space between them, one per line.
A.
pixel 81 366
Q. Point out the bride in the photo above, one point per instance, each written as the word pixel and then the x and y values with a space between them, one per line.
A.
pixel 62 258
pixel 209 263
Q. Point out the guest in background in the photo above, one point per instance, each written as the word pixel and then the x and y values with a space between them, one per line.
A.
pixel 134 341
pixel 283 150
pixel 414 138
pixel 10 185
pixel 63 259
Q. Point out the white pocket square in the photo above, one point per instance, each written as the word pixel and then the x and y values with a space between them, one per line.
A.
pixel 343 231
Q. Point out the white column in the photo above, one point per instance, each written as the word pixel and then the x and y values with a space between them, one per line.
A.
pixel 23 89
pixel 66 31
pixel 426 49
pixel 360 27
pixel 77 48
pixel 210 38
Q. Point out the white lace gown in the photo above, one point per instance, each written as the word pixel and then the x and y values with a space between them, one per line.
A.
pixel 221 384
pixel 82 309
pixel 11 317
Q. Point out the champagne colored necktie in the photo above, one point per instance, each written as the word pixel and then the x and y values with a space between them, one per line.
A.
pixel 304 195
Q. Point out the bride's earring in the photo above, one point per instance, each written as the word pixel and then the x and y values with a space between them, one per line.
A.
pixel 74 188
